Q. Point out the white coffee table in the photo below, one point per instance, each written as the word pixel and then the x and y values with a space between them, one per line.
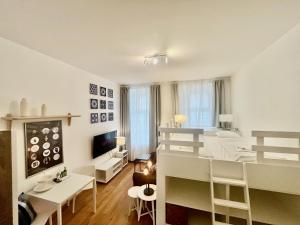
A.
pixel 65 190
pixel 144 198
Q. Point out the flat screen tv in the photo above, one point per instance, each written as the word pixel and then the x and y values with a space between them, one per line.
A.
pixel 104 143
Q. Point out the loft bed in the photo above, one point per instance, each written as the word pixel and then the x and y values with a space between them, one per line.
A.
pixel 183 174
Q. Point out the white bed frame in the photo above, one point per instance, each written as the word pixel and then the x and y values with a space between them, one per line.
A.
pixel 183 179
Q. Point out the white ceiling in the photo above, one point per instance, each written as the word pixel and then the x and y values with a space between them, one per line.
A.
pixel 203 38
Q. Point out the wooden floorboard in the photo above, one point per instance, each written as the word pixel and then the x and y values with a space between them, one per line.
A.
pixel 112 204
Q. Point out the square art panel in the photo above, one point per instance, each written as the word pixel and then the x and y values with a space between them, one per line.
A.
pixel 94 118
pixel 110 104
pixel 110 93
pixel 102 104
pixel 103 117
pixel 103 91
pixel 43 146
pixel 93 89
pixel 111 116
pixel 94 103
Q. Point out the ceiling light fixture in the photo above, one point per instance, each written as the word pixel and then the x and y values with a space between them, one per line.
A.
pixel 156 59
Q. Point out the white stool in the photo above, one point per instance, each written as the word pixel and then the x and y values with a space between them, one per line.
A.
pixel 133 199
pixel 145 198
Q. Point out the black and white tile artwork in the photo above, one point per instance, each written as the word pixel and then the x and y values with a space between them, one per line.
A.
pixel 94 118
pixel 111 116
pixel 103 91
pixel 102 104
pixel 110 93
pixel 103 117
pixel 110 104
pixel 93 89
pixel 43 146
pixel 94 103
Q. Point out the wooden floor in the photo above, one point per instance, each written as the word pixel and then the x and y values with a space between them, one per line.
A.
pixel 112 204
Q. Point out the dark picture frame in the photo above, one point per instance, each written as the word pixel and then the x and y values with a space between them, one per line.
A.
pixel 94 103
pixel 43 146
pixel 103 117
pixel 110 105
pixel 103 91
pixel 94 118
pixel 110 93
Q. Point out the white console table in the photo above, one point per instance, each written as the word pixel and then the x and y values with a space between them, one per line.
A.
pixel 107 170
pixel 124 155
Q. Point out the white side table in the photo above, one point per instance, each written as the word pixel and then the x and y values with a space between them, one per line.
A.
pixel 145 198
pixel 133 199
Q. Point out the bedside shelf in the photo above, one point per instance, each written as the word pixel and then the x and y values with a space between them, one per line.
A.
pixel 124 155
pixel 10 119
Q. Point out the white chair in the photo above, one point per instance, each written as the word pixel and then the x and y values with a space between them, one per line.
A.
pixel 44 211
pixel 89 171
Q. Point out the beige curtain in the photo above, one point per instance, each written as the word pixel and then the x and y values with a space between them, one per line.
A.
pixel 124 115
pixel 155 116
pixel 222 103
pixel 174 93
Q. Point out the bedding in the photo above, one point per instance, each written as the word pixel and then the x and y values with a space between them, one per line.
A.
pixel 217 147
pixel 224 147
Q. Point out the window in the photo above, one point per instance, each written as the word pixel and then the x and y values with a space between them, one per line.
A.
pixel 196 102
pixel 139 119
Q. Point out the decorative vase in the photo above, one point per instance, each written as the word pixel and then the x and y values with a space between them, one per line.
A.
pixel 24 107
pixel 44 110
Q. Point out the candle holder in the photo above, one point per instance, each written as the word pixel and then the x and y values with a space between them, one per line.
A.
pixel 148 190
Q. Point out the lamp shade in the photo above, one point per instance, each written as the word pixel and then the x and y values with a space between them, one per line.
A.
pixel 121 140
pixel 180 118
pixel 226 118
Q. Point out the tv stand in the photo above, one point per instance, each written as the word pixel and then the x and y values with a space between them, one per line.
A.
pixel 108 169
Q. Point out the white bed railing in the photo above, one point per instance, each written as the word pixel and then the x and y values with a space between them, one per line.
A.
pixel 168 142
pixel 261 148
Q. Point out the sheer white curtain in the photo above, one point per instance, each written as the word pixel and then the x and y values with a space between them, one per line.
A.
pixel 196 101
pixel 139 120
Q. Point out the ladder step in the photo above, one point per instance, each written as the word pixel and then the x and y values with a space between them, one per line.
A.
pixel 234 182
pixel 221 223
pixel 230 204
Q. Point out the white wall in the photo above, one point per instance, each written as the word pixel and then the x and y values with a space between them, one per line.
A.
pixel 266 92
pixel 42 79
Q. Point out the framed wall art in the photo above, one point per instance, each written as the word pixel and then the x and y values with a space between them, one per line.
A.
pixel 94 118
pixel 110 93
pixel 103 91
pixel 43 146
pixel 110 104
pixel 93 103
pixel 103 117
pixel 93 89
pixel 111 116
pixel 102 104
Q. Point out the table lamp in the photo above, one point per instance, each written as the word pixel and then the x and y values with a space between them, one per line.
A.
pixel 180 119
pixel 148 190
pixel 227 119
pixel 121 141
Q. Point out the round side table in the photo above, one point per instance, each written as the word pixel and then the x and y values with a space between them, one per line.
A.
pixel 133 199
pixel 144 199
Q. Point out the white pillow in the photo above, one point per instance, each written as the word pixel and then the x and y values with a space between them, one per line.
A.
pixel 227 134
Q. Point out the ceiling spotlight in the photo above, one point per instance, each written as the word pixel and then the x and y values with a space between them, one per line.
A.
pixel 156 59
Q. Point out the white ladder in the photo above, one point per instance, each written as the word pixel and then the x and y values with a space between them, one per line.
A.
pixel 227 202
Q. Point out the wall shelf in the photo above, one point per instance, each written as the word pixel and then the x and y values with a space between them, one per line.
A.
pixel 10 119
